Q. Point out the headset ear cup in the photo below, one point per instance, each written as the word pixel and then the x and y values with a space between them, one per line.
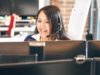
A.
pixel 59 24
pixel 58 28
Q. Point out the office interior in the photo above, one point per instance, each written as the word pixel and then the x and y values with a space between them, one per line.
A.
pixel 78 56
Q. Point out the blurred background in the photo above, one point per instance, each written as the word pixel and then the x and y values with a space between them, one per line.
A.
pixel 87 17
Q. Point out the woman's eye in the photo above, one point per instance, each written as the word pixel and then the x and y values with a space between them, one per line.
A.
pixel 47 21
pixel 39 21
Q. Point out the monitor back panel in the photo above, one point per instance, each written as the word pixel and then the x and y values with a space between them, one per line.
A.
pixel 93 49
pixel 47 68
pixel 64 49
pixel 96 66
pixel 14 48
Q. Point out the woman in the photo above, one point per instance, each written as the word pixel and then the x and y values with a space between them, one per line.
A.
pixel 49 25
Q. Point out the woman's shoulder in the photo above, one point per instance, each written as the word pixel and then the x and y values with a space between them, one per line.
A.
pixel 64 37
pixel 34 37
pixel 29 38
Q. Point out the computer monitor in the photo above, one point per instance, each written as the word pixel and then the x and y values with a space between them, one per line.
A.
pixel 37 48
pixel 5 59
pixel 61 67
pixel 96 65
pixel 14 52
pixel 14 48
pixel 55 50
pixel 5 7
pixel 25 7
pixel 93 48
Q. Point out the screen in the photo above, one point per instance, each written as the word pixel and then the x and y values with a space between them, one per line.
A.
pixel 60 67
pixel 56 50
pixel 5 7
pixel 25 7
pixel 93 48
pixel 64 49
pixel 39 50
pixel 37 47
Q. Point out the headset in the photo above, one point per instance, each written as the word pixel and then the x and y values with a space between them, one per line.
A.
pixel 59 27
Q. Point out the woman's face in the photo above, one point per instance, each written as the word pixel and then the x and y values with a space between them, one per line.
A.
pixel 43 25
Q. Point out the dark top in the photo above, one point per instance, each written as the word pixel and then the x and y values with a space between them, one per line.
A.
pixel 29 38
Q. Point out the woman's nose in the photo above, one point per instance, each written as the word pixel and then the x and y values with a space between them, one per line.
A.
pixel 43 25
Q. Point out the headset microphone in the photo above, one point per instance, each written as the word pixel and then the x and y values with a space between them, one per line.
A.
pixel 48 35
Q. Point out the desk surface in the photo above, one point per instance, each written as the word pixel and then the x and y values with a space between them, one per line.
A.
pixel 17 29
pixel 12 39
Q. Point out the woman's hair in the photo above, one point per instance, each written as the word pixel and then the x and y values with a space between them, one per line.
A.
pixel 53 14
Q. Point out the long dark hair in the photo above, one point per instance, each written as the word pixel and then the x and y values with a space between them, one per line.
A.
pixel 54 16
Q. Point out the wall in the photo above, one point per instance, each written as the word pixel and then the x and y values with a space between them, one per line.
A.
pixel 43 3
pixel 66 8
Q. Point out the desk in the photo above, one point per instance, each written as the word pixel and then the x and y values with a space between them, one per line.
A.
pixel 18 29
pixel 12 39
pixel 21 26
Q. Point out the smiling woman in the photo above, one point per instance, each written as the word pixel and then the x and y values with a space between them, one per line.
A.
pixel 49 25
